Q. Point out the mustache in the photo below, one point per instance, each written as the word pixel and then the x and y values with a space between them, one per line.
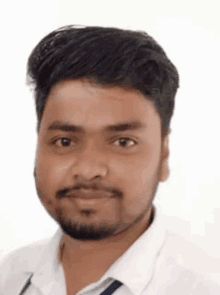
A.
pixel 63 193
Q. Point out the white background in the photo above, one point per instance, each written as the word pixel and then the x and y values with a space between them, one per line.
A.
pixel 189 31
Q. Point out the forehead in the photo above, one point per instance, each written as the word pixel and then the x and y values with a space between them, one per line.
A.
pixel 93 106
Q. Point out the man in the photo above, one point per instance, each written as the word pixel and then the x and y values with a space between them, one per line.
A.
pixel 104 101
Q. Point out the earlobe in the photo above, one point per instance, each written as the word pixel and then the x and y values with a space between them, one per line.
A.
pixel 164 171
pixel 164 167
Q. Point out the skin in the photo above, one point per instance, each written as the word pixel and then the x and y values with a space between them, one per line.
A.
pixel 132 169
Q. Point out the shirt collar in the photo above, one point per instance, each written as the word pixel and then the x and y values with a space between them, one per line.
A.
pixel 134 268
pixel 49 262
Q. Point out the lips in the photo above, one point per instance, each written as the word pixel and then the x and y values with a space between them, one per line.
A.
pixel 90 194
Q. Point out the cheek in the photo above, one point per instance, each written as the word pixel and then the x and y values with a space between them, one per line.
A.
pixel 50 172
pixel 139 194
pixel 141 178
pixel 145 167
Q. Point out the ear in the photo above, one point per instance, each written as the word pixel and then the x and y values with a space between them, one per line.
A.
pixel 164 167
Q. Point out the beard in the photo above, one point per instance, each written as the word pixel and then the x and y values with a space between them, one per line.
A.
pixel 75 229
pixel 79 230
pixel 82 231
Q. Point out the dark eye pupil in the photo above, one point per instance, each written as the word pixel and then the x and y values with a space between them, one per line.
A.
pixel 123 142
pixel 65 141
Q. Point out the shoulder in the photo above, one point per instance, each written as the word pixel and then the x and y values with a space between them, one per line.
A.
pixel 23 259
pixel 184 266
pixel 187 254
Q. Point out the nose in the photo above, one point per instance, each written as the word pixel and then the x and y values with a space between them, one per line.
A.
pixel 89 171
pixel 90 164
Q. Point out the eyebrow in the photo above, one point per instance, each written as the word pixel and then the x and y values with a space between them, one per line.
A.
pixel 124 126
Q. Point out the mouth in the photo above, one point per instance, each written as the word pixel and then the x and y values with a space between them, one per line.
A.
pixel 90 194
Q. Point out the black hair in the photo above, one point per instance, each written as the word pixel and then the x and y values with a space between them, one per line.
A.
pixel 108 57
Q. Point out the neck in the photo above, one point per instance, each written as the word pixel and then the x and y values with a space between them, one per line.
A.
pixel 82 254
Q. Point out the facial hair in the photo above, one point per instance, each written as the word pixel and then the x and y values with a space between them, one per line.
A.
pixel 83 231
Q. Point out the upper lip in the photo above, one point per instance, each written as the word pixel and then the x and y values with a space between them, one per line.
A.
pixel 90 194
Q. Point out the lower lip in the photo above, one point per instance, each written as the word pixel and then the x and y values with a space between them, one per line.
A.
pixel 91 202
pixel 91 196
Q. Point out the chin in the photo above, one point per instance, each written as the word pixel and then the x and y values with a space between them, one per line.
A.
pixel 87 232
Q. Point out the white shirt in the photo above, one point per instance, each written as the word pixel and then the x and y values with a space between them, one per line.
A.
pixel 156 264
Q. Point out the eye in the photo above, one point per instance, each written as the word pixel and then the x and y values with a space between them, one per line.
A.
pixel 123 142
pixel 62 142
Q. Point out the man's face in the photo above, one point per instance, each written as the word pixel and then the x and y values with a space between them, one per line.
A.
pixel 127 163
